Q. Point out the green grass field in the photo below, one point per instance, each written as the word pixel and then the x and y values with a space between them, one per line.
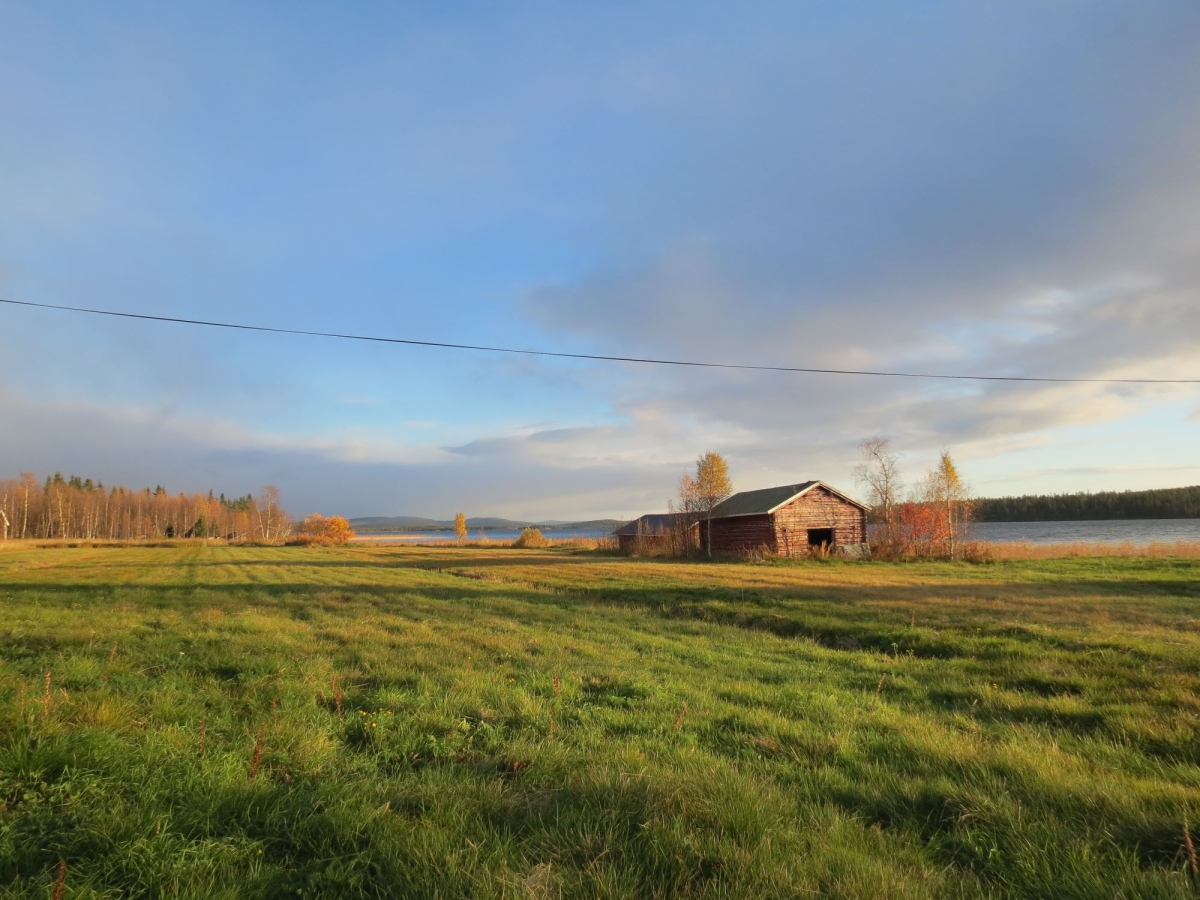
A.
pixel 390 722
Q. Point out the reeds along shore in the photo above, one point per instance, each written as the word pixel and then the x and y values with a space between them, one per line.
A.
pixel 1154 549
pixel 990 551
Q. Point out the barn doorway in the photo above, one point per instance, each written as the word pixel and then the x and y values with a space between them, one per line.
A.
pixel 820 538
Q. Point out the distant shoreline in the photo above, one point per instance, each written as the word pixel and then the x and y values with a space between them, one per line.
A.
pixel 476 536
pixel 415 525
pixel 1103 506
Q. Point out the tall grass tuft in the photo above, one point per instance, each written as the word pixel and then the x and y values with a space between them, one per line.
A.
pixel 61 880
pixel 1193 863
pixel 337 695
pixel 757 554
pixel 256 760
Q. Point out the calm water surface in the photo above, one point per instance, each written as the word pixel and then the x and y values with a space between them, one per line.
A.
pixel 1136 531
pixel 1116 531
pixel 491 534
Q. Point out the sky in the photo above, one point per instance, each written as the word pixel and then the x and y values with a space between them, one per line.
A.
pixel 973 188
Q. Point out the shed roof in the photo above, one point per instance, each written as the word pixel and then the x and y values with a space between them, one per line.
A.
pixel 767 500
pixel 653 523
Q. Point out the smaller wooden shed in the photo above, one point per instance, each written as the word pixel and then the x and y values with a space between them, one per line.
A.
pixel 790 520
pixel 650 533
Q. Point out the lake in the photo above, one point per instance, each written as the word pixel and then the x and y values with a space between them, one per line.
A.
pixel 1115 531
pixel 491 534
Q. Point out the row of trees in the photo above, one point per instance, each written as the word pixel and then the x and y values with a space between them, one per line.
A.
pixel 929 518
pixel 1168 503
pixel 79 508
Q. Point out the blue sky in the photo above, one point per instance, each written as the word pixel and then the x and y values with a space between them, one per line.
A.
pixel 980 188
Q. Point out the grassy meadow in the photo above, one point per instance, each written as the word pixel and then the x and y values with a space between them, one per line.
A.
pixel 204 721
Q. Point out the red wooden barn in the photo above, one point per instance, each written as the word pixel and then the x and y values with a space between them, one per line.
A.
pixel 790 520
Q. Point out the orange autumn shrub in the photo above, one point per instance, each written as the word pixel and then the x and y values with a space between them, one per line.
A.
pixel 325 531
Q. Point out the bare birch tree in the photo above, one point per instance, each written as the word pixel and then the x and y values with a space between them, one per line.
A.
pixel 28 483
pixel 685 507
pixel 879 472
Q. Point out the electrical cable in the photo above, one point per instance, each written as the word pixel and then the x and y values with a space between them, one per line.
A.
pixel 639 360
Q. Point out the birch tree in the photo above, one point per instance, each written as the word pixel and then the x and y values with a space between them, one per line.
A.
pixel 712 482
pixel 949 498
pixel 879 472
pixel 698 495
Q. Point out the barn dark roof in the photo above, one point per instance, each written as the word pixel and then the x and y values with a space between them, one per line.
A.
pixel 654 523
pixel 767 500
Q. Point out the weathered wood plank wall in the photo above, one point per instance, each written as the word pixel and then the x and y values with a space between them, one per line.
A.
pixel 818 508
pixel 737 534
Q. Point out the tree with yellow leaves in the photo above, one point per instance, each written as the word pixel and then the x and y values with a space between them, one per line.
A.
pixel 712 484
pixel 700 494
pixel 460 527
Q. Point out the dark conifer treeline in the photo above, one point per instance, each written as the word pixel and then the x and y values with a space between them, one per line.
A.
pixel 1168 503
pixel 75 507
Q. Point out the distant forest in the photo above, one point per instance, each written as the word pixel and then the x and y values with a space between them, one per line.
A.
pixel 1168 503
pixel 75 507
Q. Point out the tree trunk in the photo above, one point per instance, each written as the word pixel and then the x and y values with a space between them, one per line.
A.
pixel 950 526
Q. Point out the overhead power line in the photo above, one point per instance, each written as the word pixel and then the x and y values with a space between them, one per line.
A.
pixel 639 360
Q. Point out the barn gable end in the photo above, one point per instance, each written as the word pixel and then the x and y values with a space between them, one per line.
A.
pixel 788 520
pixel 803 522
